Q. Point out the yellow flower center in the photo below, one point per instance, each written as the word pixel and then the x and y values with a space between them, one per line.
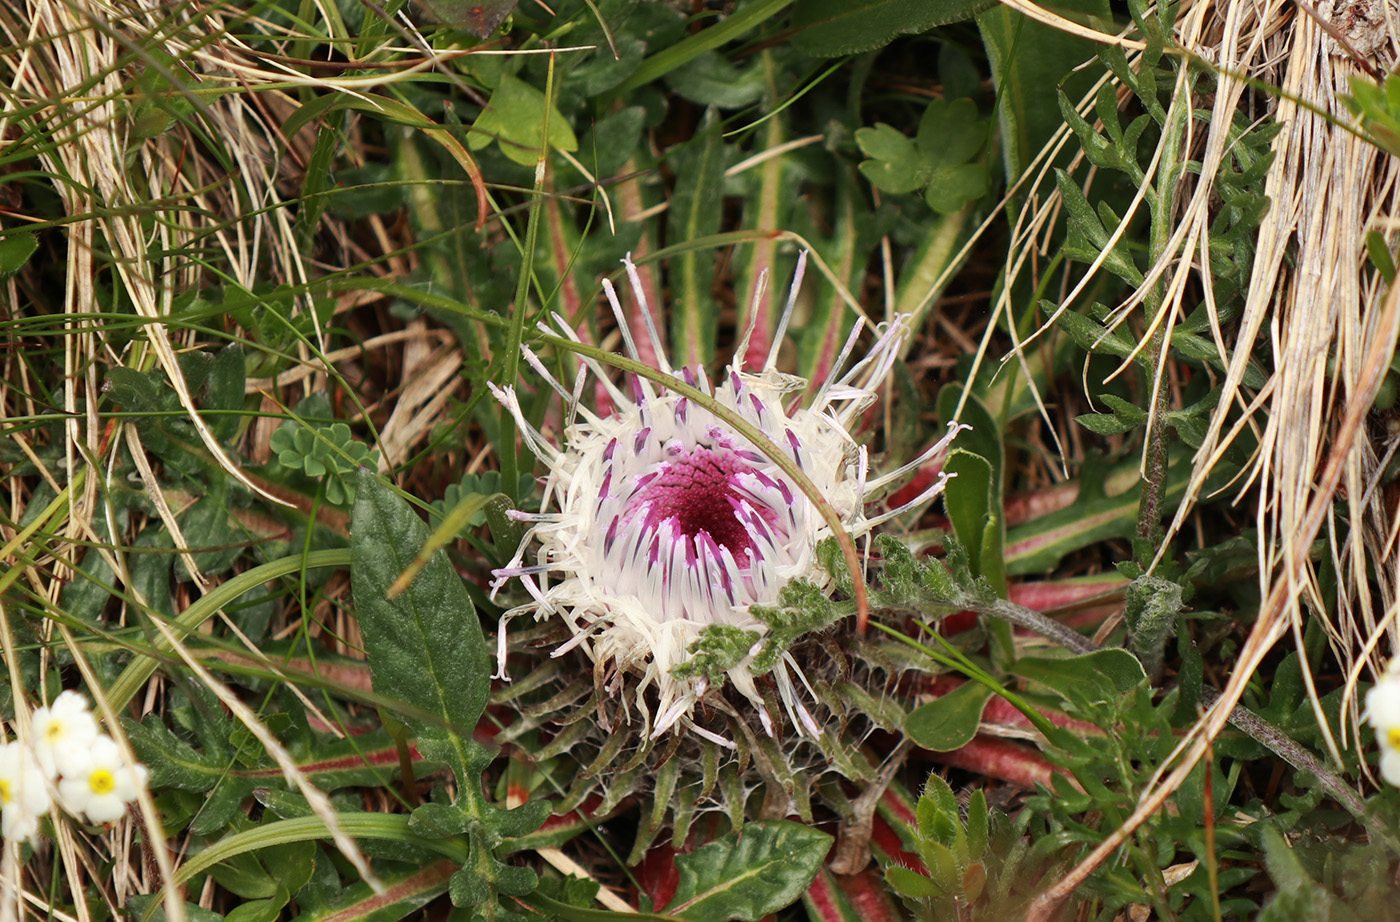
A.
pixel 101 781
pixel 53 731
pixel 5 795
pixel 1392 736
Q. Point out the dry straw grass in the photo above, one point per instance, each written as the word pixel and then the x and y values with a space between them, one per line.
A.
pixel 68 84
pixel 1316 304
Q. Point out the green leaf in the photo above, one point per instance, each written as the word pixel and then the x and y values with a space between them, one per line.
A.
pixel 831 28
pixel 224 390
pixel 973 504
pixel 1380 256
pixel 259 910
pixel 966 499
pixel 411 887
pixel 912 884
pixel 438 821
pixel 895 165
pixel 950 133
pixel 949 722
pixel 750 874
pixel 978 824
pixel 1089 237
pixel 711 80
pixel 15 250
pixel 1118 668
pixel 139 904
pixel 942 865
pixel 1105 423
pixel 1030 61
pixel 1088 334
pixel 1299 897
pixel 326 450
pixel 951 188
pixel 245 876
pixel 802 607
pixel 984 438
pixel 937 811
pixel 133 391
pixel 515 118
pixel 425 646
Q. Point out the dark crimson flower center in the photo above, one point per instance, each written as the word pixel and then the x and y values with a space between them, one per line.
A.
pixel 697 491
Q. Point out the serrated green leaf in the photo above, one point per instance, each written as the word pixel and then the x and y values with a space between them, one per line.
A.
pixel 746 875
pixel 949 722
pixel 425 646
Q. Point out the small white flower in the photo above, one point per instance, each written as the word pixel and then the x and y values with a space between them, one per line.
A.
pixel 63 733
pixel 1383 714
pixel 660 519
pixel 102 784
pixel 24 792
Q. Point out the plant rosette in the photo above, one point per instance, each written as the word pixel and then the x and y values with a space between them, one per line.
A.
pixel 665 530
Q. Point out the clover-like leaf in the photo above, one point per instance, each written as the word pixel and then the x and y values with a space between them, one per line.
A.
pixel 894 165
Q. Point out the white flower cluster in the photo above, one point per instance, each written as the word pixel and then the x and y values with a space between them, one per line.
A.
pixel 69 756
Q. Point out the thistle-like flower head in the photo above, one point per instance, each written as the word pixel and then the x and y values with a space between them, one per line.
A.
pixel 661 518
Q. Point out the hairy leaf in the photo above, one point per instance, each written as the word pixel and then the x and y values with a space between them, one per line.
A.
pixel 425 646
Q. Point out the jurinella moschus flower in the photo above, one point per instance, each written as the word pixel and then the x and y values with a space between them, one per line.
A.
pixel 1383 714
pixel 660 519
